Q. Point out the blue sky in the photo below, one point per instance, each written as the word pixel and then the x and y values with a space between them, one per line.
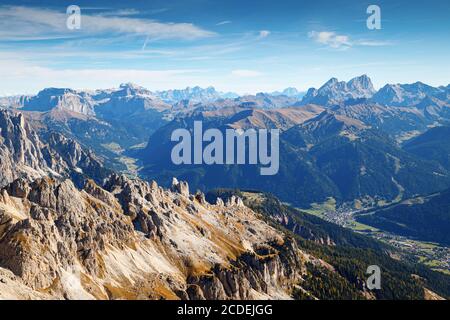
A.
pixel 241 46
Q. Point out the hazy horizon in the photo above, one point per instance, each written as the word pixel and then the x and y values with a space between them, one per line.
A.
pixel 205 87
pixel 256 46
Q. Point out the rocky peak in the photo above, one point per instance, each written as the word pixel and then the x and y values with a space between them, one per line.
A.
pixel 131 89
pixel 311 93
pixel 363 85
pixel 180 187
pixel 234 201
pixel 131 86
pixel 219 202
pixel 338 92
pixel 333 81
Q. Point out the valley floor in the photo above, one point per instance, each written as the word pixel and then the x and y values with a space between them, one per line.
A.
pixel 433 255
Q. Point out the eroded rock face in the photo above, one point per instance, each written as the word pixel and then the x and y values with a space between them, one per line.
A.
pixel 135 240
pixel 23 154
pixel 21 151
pixel 267 273
pixel 11 287
pixel 59 228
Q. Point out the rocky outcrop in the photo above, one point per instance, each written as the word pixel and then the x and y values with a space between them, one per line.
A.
pixel 263 274
pixel 11 287
pixel 180 187
pixel 135 240
pixel 234 201
pixel 21 151
pixel 58 228
pixel 23 154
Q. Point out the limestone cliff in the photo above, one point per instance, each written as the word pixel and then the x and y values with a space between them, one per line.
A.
pixel 24 154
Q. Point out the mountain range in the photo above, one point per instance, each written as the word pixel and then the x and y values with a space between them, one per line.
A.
pixel 82 216
pixel 340 119
pixel 333 92
pixel 115 237
pixel 322 154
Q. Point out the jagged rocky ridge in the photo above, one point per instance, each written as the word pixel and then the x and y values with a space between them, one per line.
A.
pixel 24 154
pixel 135 240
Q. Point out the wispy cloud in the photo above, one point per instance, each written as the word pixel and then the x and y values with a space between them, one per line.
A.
pixel 221 23
pixel 374 43
pixel 246 73
pixel 119 13
pixel 342 42
pixel 23 23
pixel 331 39
pixel 160 10
pixel 145 43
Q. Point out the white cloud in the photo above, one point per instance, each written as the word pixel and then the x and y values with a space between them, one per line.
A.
pixel 119 13
pixel 338 41
pixel 246 73
pixel 23 23
pixel 374 43
pixel 331 39
pixel 264 34
pixel 221 23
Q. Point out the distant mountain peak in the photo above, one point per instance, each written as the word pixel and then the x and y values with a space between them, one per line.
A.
pixel 131 85
pixel 331 81
pixel 195 94
pixel 55 91
pixel 290 92
pixel 133 89
pixel 361 82
pixel 405 94
pixel 336 92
